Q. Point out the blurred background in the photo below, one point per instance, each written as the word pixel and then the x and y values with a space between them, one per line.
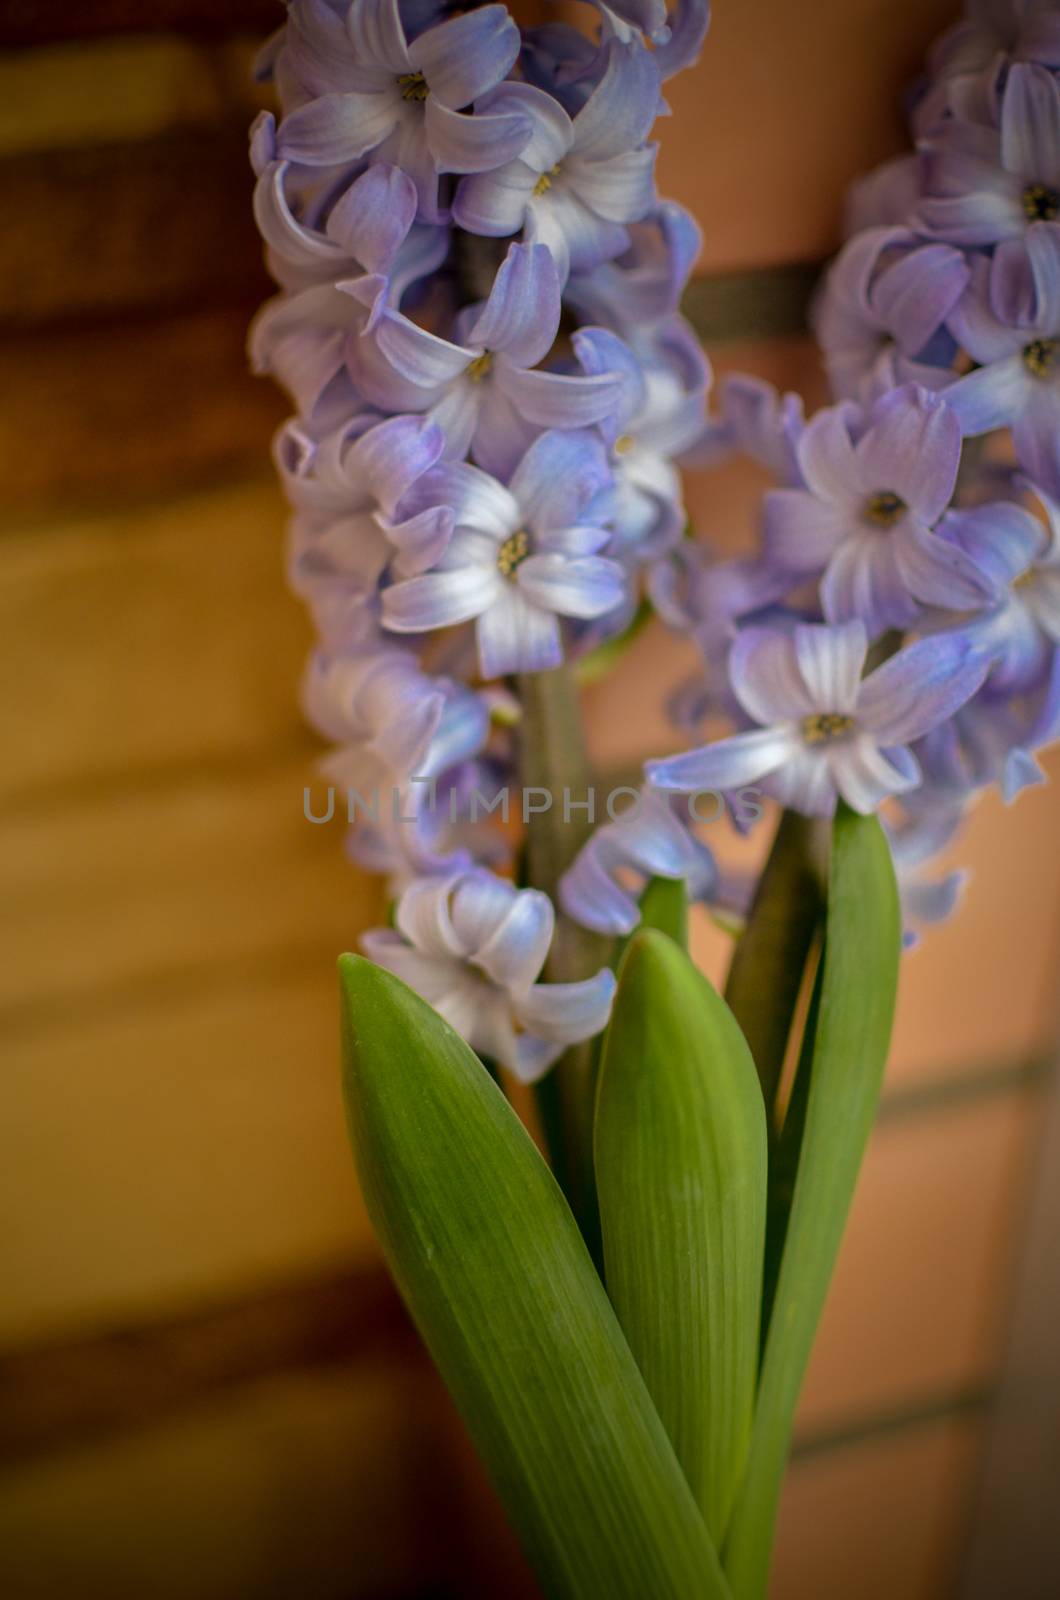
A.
pixel 207 1386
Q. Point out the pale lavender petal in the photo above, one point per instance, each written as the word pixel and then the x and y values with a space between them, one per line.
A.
pixel 515 952
pixel 566 1013
pixel 479 903
pixel 1030 123
pixel 439 599
pixel 458 414
pixel 392 456
pixel 916 295
pixel 912 448
pixel 465 56
pixel 478 501
pixel 801 532
pixel 430 977
pixel 502 435
pixel 601 351
pixel 420 541
pixel 827 460
pixel 974 324
pixel 766 677
pixel 521 316
pixel 419 357
pixel 621 109
pixel 620 189
pixel 372 219
pixel 377 34
pixel 992 397
pixel 864 776
pixel 1036 434
pixel 830 661
pixel 937 572
pixel 494 203
pixel 728 764
pixel 515 636
pixel 553 399
pixel 585 586
pixel 461 143
pixel 558 476
pixel 337 128
pixel 864 579
pixel 920 687
pixel 423 918
pixel 805 783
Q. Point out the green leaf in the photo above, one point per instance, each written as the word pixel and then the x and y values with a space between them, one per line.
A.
pixel 664 905
pixel 681 1174
pixel 487 1255
pixel 855 1013
pixel 771 954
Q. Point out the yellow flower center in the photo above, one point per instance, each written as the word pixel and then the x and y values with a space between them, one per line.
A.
pixel 512 553
pixel 544 183
pixel 1039 357
pixel 624 444
pixel 413 86
pixel 824 726
pixel 480 367
pixel 884 508
pixel 1040 203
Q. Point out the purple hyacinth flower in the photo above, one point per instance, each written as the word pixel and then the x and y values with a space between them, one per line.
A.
pixel 864 519
pixel 643 287
pixel 983 184
pixel 365 252
pixel 757 421
pixel 1020 561
pixel 484 390
pixel 1008 320
pixel 579 179
pixel 924 826
pixel 521 557
pixel 658 414
pixel 391 100
pixel 473 945
pixel 648 840
pixel 824 731
pixel 346 489
pixel 1021 30
pixel 993 739
pixel 881 310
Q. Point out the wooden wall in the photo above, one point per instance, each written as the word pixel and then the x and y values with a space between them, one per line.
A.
pixel 207 1386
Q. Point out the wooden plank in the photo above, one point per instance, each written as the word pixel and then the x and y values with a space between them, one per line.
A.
pixel 29 22
pixel 1014 1548
pixel 141 409
pixel 127 228
pixel 146 640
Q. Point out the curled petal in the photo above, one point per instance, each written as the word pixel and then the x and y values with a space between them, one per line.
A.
pixel 727 764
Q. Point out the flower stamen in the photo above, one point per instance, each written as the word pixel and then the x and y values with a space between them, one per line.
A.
pixel 413 86
pixel 884 508
pixel 825 726
pixel 1039 357
pixel 1040 202
pixel 480 367
pixel 512 553
pixel 624 444
pixel 544 183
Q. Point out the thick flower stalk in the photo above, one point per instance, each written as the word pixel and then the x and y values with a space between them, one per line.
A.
pixel 478 324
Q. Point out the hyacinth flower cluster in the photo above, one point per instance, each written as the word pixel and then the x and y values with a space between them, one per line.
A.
pixel 914 524
pixel 478 325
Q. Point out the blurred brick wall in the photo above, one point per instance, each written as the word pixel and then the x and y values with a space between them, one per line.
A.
pixel 207 1388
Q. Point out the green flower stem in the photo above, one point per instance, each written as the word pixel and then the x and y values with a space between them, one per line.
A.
pixel 553 757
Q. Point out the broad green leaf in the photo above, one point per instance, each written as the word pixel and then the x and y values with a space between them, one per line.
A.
pixel 854 1016
pixel 771 954
pixel 487 1255
pixel 680 1146
pixel 664 905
